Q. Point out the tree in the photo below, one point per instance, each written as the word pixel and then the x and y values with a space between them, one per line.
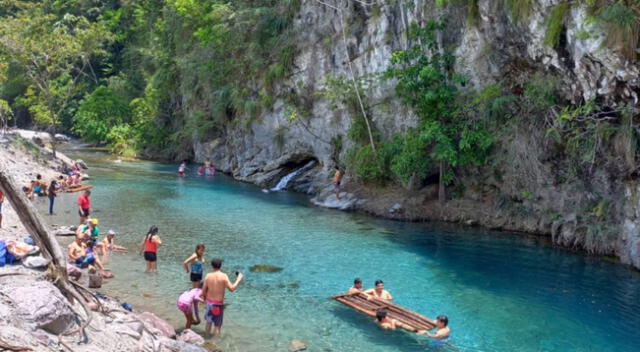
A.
pixel 5 114
pixel 446 135
pixel 53 51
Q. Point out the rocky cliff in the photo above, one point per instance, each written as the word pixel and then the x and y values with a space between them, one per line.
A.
pixel 527 185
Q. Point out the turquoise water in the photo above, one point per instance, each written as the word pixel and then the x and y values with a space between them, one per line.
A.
pixel 501 292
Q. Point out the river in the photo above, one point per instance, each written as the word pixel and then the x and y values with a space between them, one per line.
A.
pixel 502 292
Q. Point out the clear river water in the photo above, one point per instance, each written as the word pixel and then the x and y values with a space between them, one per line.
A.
pixel 501 291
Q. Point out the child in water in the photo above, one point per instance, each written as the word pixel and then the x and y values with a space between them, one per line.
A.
pixel 182 169
pixel 188 304
pixel 196 263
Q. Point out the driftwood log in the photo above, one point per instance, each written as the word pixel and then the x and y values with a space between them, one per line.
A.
pixel 367 305
pixel 49 246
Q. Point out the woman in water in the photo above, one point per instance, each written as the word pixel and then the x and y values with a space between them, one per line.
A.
pixel 196 263
pixel 149 247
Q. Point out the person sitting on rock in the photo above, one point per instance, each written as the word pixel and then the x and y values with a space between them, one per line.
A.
pixel 28 189
pixel 40 187
pixel 62 182
pixel 78 255
pixel 356 288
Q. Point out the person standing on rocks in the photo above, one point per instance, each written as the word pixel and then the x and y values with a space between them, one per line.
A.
pixel 84 206
pixel 215 285
pixel 149 247
pixel 337 179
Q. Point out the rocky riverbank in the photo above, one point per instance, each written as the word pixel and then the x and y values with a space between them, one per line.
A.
pixel 35 315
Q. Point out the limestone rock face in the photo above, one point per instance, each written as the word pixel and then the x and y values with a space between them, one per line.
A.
pixel 488 48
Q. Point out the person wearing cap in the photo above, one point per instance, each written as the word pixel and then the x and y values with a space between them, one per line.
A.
pixel 90 228
pixel 108 245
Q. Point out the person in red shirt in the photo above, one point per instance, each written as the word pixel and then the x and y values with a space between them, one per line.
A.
pixel 84 206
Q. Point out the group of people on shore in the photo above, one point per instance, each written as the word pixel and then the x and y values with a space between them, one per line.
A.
pixel 41 188
pixel 387 323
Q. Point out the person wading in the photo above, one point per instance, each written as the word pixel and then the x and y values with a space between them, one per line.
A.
pixel 149 247
pixel 215 285
pixel 84 206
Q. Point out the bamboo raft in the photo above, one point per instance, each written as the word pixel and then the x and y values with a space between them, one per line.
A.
pixel 410 321
pixel 78 188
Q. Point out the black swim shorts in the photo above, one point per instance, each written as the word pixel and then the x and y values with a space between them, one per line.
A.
pixel 196 277
pixel 150 256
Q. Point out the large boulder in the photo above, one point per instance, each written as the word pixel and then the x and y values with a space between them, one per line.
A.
pixel 151 319
pixel 40 304
pixel 190 336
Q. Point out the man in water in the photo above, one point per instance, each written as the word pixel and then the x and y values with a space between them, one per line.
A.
pixel 215 285
pixel 442 335
pixel 84 206
pixel 379 291
pixel 357 286
pixel 337 179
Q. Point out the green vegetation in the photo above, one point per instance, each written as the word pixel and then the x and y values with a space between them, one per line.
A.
pixel 72 62
pixel 555 23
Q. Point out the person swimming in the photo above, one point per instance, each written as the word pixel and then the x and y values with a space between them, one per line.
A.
pixel 194 265
pixel 379 291
pixel 356 288
pixel 384 321
pixel 441 337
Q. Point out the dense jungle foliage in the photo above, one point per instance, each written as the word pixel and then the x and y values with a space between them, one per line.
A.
pixel 149 76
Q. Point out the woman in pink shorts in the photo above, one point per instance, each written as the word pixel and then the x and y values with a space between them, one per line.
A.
pixel 188 304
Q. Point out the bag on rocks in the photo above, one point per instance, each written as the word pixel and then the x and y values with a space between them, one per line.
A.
pixel 95 280
pixel 35 262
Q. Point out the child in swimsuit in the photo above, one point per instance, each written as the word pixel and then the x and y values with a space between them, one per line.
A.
pixel 194 265
pixel 182 169
pixel 188 304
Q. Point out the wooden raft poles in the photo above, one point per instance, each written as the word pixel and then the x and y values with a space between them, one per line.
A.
pixel 410 321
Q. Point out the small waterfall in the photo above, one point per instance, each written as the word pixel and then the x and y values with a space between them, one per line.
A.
pixel 287 178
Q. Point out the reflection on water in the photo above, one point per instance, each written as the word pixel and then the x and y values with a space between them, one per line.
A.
pixel 501 292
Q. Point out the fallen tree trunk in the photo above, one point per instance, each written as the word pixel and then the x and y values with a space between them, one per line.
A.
pixel 29 217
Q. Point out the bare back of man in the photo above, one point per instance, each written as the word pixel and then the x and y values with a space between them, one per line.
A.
pixel 215 285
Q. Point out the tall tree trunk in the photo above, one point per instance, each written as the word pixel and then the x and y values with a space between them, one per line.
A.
pixel 441 193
